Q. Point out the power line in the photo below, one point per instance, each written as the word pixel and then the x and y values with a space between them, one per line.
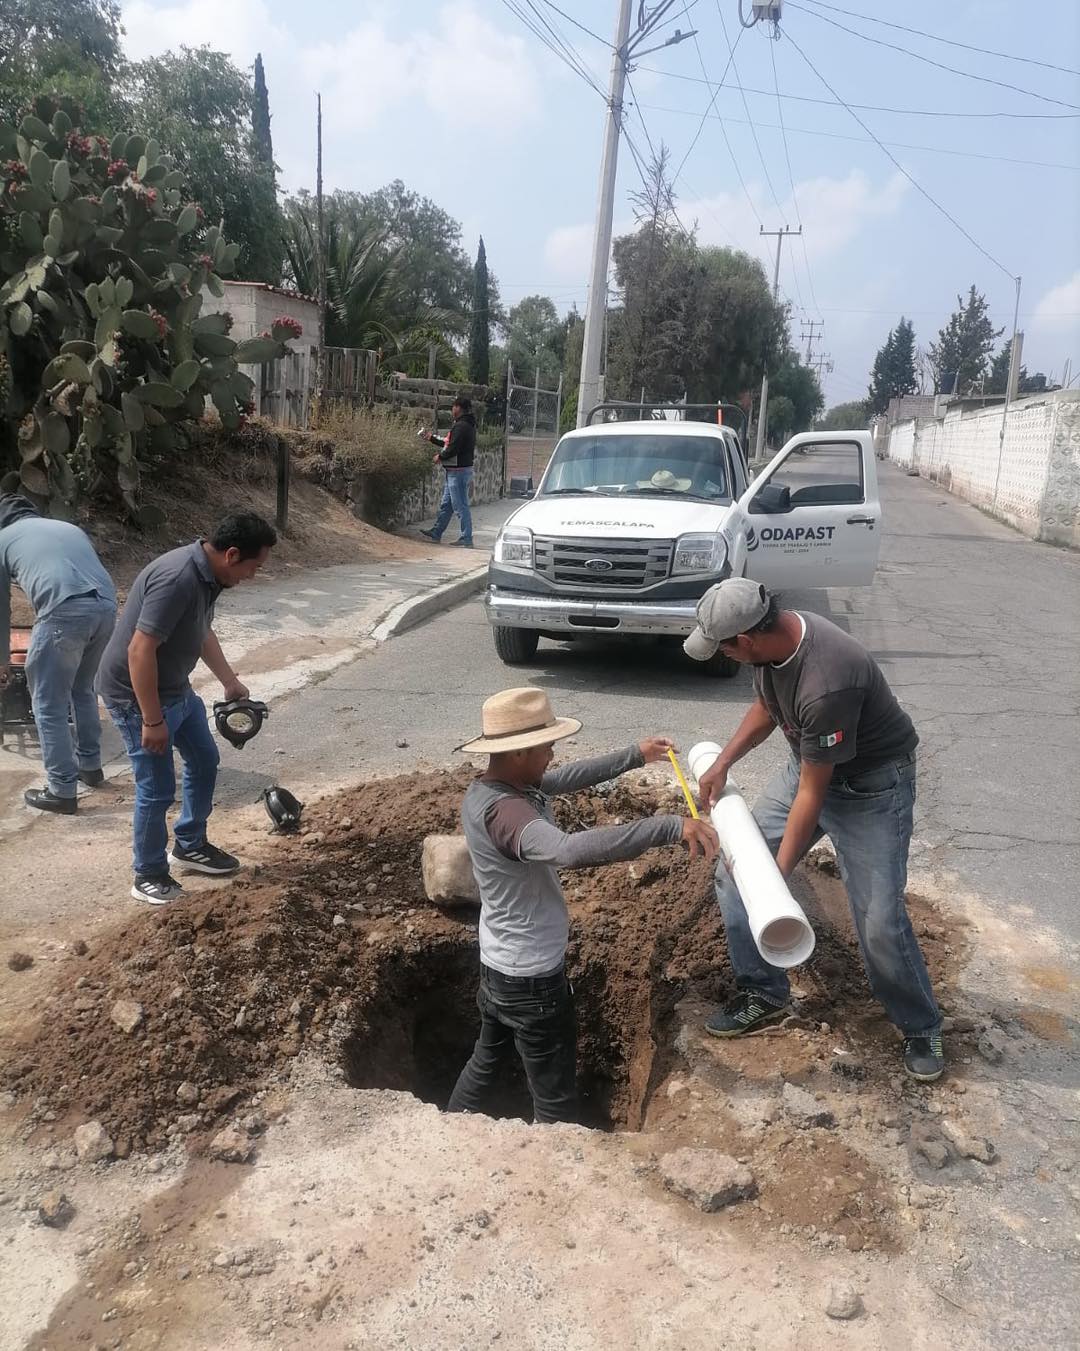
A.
pixel 791 176
pixel 746 109
pixel 870 140
pixel 911 179
pixel 873 107
pixel 575 58
pixel 929 60
pixel 704 116
pixel 570 19
pixel 579 69
pixel 936 37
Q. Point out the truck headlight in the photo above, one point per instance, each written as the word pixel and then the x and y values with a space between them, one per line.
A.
pixel 699 553
pixel 514 548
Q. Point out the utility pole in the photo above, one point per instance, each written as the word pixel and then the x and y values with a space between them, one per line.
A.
pixel 596 305
pixel 759 444
pixel 810 324
pixel 592 339
pixel 320 260
pixel 1010 387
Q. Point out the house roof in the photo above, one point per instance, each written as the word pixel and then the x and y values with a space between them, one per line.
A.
pixel 274 290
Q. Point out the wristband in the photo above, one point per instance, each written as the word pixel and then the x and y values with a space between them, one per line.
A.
pixel 154 724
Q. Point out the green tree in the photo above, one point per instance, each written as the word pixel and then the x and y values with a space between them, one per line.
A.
pixel 480 328
pixel 70 48
pixel 260 116
pixel 200 108
pixel 998 378
pixel 795 397
pixel 536 336
pixel 845 416
pixel 894 374
pixel 961 355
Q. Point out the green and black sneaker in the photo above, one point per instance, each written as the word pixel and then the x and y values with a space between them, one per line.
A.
pixel 745 1013
pixel 924 1057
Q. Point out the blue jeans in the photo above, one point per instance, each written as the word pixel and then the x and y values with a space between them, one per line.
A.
pixel 65 650
pixel 155 780
pixel 869 821
pixel 455 498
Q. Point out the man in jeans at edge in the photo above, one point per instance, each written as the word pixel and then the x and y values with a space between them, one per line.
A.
pixel 163 631
pixel 74 603
pixel 524 998
pixel 850 775
pixel 456 457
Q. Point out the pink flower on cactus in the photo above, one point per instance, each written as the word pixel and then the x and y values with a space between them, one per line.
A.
pixel 118 169
pixel 161 322
pixel 15 169
pixel 204 260
pixel 293 326
pixel 151 195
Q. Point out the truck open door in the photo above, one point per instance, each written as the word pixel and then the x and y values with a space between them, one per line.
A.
pixel 813 515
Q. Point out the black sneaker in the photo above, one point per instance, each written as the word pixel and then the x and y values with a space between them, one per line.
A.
pixel 93 778
pixel 463 543
pixel 745 1013
pixel 204 858
pixel 46 801
pixel 924 1057
pixel 431 535
pixel 156 890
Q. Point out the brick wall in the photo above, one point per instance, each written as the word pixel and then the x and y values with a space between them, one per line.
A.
pixel 1038 488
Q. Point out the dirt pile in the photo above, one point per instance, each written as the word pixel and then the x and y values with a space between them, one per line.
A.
pixel 329 944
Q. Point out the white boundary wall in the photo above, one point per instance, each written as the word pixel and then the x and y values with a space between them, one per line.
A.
pixel 1038 491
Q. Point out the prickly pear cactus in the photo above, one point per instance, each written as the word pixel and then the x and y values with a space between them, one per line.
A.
pixel 104 355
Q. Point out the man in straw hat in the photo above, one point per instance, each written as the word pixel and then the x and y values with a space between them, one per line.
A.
pixel 516 848
pixel 850 774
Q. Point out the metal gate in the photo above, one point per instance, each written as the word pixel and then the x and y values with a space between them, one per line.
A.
pixel 532 425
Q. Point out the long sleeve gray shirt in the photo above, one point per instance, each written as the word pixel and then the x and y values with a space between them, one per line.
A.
pixel 52 561
pixel 516 849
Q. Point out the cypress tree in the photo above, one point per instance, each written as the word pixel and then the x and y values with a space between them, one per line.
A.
pixel 260 116
pixel 480 331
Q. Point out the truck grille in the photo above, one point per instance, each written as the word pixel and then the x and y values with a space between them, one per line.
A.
pixel 631 563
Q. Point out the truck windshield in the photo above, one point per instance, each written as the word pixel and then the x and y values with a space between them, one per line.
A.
pixel 640 464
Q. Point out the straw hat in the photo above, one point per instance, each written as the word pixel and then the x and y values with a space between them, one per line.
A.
pixel 514 720
pixel 666 481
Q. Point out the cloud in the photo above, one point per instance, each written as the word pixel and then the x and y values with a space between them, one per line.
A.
pixel 240 28
pixel 1059 309
pixel 833 212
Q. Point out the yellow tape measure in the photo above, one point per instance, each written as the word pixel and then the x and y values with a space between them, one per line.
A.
pixel 684 785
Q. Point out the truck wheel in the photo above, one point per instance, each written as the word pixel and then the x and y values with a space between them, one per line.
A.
pixel 719 665
pixel 515 647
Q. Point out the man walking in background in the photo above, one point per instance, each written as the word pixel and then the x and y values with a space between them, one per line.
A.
pixel 516 848
pixel 164 629
pixel 850 774
pixel 456 457
pixel 74 604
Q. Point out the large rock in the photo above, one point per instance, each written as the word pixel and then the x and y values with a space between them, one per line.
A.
pixel 231 1146
pixel 127 1015
pixel 55 1210
pixel 842 1301
pixel 92 1142
pixel 706 1178
pixel 969 1146
pixel 804 1109
pixel 448 872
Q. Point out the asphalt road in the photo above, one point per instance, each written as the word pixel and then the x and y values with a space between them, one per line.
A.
pixel 976 628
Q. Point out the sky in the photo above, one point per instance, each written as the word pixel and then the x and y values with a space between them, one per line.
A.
pixel 461 101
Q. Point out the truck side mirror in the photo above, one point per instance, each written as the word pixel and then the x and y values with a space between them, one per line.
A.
pixel 771 500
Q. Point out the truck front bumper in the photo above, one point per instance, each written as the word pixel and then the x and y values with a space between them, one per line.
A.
pixel 560 614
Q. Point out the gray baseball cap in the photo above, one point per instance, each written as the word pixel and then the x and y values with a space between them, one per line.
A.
pixel 725 610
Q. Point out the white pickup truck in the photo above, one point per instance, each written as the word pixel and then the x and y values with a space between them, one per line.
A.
pixel 633 521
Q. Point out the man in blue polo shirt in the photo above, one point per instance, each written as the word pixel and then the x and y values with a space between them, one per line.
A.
pixel 163 630
pixel 74 604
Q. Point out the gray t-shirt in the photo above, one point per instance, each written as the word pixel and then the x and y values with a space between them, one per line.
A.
pixel 172 599
pixel 833 704
pixel 516 849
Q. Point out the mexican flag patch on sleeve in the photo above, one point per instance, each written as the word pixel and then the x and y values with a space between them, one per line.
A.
pixel 830 739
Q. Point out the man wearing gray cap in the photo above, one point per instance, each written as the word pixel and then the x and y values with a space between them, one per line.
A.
pixel 850 775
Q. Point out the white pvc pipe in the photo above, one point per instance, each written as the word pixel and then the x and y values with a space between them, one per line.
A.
pixel 780 929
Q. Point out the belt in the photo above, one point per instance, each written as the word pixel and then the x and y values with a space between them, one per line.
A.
pixel 531 984
pixel 902 763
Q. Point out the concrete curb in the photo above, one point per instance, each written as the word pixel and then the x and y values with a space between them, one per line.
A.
pixel 407 614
